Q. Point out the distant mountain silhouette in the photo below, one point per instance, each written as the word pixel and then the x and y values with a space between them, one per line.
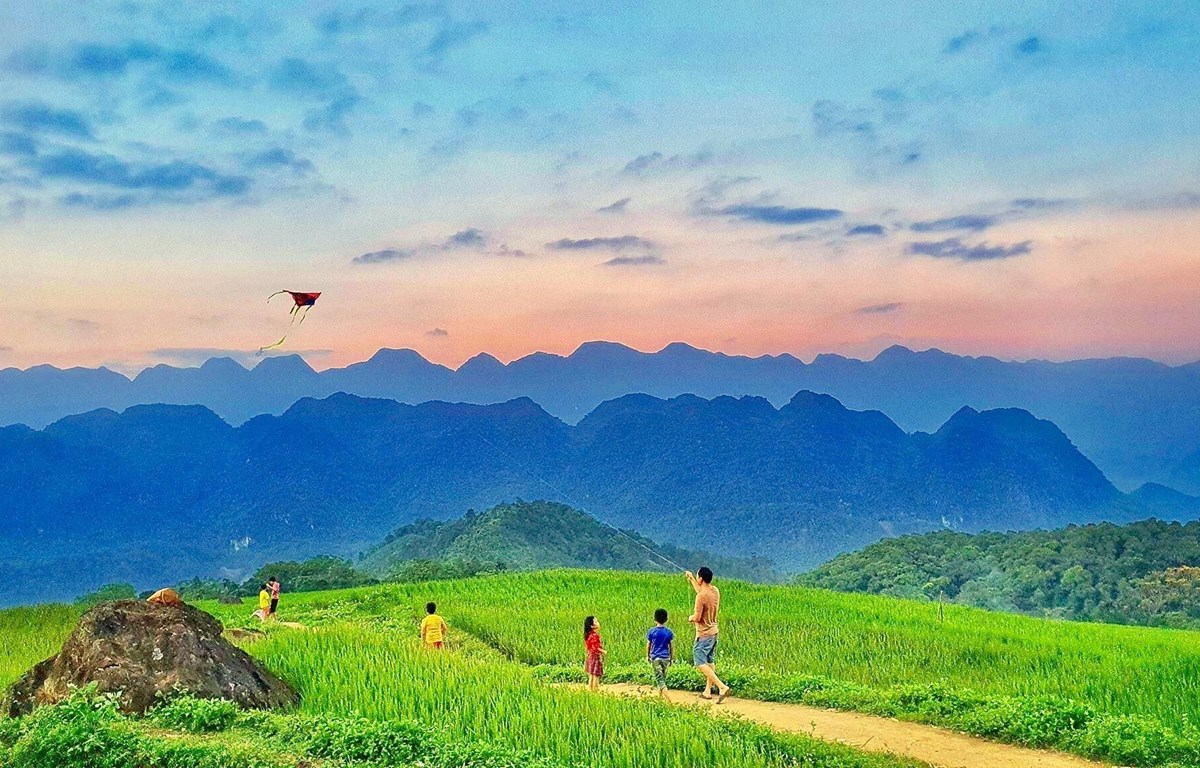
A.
pixel 1137 419
pixel 162 492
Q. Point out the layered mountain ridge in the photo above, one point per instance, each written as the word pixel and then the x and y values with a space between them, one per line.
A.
pixel 162 492
pixel 1139 420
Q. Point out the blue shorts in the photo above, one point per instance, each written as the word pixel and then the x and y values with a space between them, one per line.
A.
pixel 704 650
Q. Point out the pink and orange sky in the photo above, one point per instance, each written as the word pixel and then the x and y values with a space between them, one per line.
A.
pixel 999 178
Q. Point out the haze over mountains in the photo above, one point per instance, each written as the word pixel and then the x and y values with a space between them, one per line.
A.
pixel 162 492
pixel 1139 420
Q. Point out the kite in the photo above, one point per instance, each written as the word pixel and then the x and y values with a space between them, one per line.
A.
pixel 303 302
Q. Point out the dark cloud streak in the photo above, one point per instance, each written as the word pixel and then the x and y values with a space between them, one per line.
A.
pixel 778 214
pixel 880 309
pixel 615 207
pixel 36 117
pixel 646 260
pixel 971 223
pixel 606 243
pixel 953 248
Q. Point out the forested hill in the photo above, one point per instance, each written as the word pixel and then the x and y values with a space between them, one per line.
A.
pixel 1145 573
pixel 540 534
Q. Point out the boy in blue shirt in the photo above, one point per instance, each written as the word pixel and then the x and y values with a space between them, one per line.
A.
pixel 660 651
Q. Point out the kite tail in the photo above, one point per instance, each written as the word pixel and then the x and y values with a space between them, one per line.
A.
pixel 271 346
pixel 304 314
pixel 285 334
pixel 273 295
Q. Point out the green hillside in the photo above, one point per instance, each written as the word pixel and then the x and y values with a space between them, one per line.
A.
pixel 1142 573
pixel 1123 694
pixel 537 535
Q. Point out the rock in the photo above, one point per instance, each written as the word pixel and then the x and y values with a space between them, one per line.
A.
pixel 147 651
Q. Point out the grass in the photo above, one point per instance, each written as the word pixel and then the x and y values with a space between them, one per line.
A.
pixel 876 642
pixel 1125 694
pixel 363 664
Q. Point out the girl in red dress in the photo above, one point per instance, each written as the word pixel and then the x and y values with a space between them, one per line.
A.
pixel 594 666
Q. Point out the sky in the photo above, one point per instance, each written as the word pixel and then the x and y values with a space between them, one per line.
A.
pixel 1018 179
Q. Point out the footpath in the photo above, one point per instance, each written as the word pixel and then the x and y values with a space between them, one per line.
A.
pixel 928 743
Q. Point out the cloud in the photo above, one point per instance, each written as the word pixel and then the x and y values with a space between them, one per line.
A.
pixel 504 250
pixel 192 67
pixel 779 214
pixel 4 350
pixel 347 22
pixel 1039 203
pixel 880 309
pixel 297 76
pixel 467 237
pixel 239 126
pixel 865 229
pixel 648 259
pixel 833 117
pixel 103 60
pixel 82 326
pixel 601 82
pixel 971 223
pixel 471 238
pixel 437 333
pixel 332 116
pixel 36 117
pixel 605 243
pixel 384 256
pixel 453 34
pixel 17 144
pixel 971 38
pixel 953 248
pixel 14 209
pixel 880 135
pixel 108 170
pixel 963 41
pixel 1028 46
pixel 657 162
pixel 615 207
pixel 279 157
pixel 100 202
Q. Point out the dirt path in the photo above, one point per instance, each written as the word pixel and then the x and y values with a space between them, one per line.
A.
pixel 928 743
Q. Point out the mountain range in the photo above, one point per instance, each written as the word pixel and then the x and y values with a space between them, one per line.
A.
pixel 161 492
pixel 1139 420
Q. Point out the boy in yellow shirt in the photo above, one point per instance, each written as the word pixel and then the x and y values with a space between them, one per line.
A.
pixel 264 604
pixel 433 627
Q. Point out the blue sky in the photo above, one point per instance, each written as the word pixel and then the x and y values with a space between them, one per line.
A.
pixel 1020 179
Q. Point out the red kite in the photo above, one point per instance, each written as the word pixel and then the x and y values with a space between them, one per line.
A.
pixel 302 301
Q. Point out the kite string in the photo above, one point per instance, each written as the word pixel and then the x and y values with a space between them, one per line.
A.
pixel 571 500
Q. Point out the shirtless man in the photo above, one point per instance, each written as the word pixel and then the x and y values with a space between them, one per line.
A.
pixel 704 617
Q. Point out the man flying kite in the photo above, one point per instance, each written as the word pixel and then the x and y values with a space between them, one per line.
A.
pixel 303 302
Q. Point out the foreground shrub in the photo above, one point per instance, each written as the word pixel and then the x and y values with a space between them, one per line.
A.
pixel 193 715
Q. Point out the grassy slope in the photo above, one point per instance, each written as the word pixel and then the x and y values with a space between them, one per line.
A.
pixel 875 641
pixel 364 661
pixel 782 631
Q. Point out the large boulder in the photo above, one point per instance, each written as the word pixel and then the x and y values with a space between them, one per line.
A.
pixel 145 651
